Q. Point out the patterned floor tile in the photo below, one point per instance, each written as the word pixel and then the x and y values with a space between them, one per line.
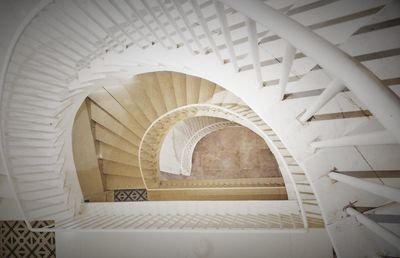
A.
pixel 130 195
pixel 17 241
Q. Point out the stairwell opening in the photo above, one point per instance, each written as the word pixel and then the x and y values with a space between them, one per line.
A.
pixel 120 134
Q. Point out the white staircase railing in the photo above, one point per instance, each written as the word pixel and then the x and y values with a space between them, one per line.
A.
pixel 380 100
pixel 258 216
pixel 384 233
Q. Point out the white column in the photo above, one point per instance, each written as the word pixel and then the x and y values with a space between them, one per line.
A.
pixel 380 137
pixel 375 227
pixel 380 100
pixel 385 191
pixel 333 88
pixel 287 63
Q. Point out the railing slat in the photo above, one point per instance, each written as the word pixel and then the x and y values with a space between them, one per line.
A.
pixel 385 191
pixel 330 92
pixel 226 33
pixel 287 63
pixel 255 53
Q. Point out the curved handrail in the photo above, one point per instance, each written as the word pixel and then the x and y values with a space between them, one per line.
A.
pixel 195 109
pixel 380 100
pixel 269 142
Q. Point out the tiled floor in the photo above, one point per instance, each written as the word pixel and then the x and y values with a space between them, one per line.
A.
pixel 17 241
pixel 233 152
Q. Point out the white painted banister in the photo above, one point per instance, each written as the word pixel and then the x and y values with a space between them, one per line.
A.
pixel 221 216
pixel 380 100
pixel 380 137
pixel 226 33
pixel 385 191
pixel 287 63
pixel 375 227
pixel 330 92
pixel 255 53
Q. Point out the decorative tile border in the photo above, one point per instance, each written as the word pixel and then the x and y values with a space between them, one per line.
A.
pixel 130 195
pixel 17 241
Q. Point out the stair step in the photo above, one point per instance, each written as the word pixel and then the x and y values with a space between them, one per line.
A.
pixel 31 127
pixel 27 186
pixel 5 189
pixel 38 204
pixel 40 194
pixel 108 152
pixel 31 161
pixel 27 134
pixel 41 143
pixel 35 152
pixel 54 212
pixel 54 168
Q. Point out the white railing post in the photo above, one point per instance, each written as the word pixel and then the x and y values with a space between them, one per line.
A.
pixel 333 88
pixel 375 227
pixel 287 63
pixel 255 54
pixel 385 191
pixel 226 33
pixel 380 137
pixel 380 100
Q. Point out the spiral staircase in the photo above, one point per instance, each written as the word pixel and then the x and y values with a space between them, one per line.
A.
pixel 318 81
pixel 126 151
